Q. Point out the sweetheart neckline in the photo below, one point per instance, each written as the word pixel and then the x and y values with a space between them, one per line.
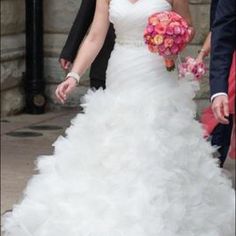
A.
pixel 136 2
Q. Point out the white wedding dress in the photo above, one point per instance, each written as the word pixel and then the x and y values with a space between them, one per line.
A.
pixel 135 164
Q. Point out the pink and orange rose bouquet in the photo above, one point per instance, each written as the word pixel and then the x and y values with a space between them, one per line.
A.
pixel 167 33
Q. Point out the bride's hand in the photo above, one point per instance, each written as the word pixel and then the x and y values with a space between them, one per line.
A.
pixel 200 58
pixel 64 88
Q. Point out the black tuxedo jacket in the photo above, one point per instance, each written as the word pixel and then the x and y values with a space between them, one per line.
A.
pixel 79 30
pixel 213 11
pixel 223 44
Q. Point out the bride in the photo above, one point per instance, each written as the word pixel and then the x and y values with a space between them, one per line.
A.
pixel 135 163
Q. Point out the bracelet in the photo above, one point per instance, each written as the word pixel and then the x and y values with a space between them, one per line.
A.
pixel 75 76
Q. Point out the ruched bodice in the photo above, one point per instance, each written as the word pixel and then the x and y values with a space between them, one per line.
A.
pixel 130 19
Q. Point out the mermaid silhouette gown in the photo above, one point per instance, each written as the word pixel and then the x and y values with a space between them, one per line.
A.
pixel 135 163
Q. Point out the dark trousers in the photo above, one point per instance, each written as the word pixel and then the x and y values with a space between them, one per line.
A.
pixel 221 137
pixel 97 83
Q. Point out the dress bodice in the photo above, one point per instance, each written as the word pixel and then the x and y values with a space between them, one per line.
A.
pixel 130 19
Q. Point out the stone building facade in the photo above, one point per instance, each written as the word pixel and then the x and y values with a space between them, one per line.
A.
pixel 58 18
pixel 12 55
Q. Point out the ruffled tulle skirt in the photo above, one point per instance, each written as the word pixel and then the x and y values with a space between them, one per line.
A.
pixel 134 164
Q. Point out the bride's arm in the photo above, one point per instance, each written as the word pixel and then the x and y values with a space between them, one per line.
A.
pixel 95 39
pixel 182 8
pixel 89 49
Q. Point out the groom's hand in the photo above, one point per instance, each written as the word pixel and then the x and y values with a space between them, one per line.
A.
pixel 220 107
pixel 65 64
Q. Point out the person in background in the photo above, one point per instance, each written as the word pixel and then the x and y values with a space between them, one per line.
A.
pixel 76 36
pixel 221 133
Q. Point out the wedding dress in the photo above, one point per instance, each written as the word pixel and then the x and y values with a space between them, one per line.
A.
pixel 135 163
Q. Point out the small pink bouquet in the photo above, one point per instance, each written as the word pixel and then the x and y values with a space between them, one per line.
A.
pixel 191 66
pixel 167 33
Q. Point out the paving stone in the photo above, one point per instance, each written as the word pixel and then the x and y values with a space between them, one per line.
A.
pixel 18 162
pixel 12 101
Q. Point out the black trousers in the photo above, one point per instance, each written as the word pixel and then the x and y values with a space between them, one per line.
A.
pixel 221 137
pixel 97 83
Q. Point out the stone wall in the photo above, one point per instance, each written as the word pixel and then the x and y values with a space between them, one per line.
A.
pixel 12 55
pixel 58 18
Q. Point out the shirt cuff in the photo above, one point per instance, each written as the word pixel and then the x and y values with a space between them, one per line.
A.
pixel 218 94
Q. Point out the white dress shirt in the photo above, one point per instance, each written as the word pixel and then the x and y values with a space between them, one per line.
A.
pixel 218 94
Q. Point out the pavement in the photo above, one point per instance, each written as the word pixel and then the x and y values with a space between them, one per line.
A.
pixel 24 137
pixel 18 154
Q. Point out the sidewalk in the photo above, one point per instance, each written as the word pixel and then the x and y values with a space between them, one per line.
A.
pixel 19 153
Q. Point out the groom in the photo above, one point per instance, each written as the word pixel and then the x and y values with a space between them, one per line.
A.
pixel 76 36
pixel 223 45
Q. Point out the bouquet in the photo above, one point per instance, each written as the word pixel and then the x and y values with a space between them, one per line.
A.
pixel 167 33
pixel 191 66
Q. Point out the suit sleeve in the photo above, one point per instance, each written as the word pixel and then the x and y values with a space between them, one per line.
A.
pixel 79 29
pixel 213 12
pixel 223 45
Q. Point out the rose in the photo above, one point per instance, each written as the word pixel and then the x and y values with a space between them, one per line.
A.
pixel 161 48
pixel 150 29
pixel 145 33
pixel 163 16
pixel 170 30
pixel 168 42
pixel 174 24
pixel 175 17
pixel 175 49
pixel 182 30
pixel 151 48
pixel 183 69
pixel 153 34
pixel 190 60
pixel 178 40
pixel 167 52
pixel 194 69
pixel 151 42
pixel 158 39
pixel 160 28
pixel 177 30
pixel 153 20
pixel 165 22
pixel 190 67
